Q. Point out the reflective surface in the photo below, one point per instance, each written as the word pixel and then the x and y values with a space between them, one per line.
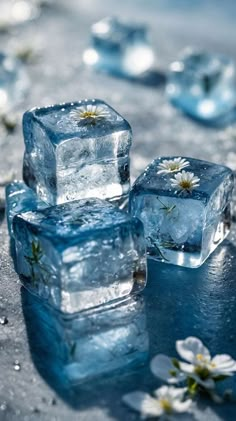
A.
pixel 179 301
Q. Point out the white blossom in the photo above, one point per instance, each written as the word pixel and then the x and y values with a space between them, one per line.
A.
pixel 200 365
pixel 185 181
pixel 172 165
pixel 89 113
pixel 167 400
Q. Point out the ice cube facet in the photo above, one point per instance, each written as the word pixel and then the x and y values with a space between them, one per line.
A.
pixel 99 342
pixel 119 48
pixel 202 85
pixel 80 254
pixel 14 82
pixel 20 198
pixel 184 205
pixel 77 150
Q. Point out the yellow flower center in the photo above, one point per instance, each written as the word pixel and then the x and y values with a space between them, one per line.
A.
pixel 89 114
pixel 166 405
pixel 200 357
pixel 186 184
pixel 174 167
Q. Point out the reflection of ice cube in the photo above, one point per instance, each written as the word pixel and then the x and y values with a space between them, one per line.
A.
pixel 80 254
pixel 77 150
pixel 202 84
pixel 103 341
pixel 183 226
pixel 119 48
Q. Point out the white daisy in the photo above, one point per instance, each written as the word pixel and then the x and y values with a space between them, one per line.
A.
pixel 172 165
pixel 185 181
pixel 200 365
pixel 89 114
pixel 167 401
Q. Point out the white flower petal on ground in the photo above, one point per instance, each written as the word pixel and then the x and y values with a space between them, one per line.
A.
pixel 184 406
pixel 144 403
pixel 192 350
pixel 223 364
pixel 167 401
pixel 163 368
pixel 172 165
pixel 185 181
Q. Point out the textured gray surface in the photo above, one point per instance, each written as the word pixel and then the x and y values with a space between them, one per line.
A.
pixel 179 302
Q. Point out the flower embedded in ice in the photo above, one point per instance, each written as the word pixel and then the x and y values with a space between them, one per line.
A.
pixel 172 165
pixel 200 366
pixel 89 114
pixel 167 400
pixel 185 181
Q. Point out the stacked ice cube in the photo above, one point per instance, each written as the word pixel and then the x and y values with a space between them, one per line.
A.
pixel 73 245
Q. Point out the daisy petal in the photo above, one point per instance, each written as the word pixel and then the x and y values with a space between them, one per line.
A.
pixel 144 403
pixel 163 368
pixel 189 348
pixel 184 406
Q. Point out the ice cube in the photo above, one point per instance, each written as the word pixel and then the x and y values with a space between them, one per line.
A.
pixel 119 48
pixel 77 150
pixel 185 206
pixel 20 198
pixel 203 85
pixel 80 254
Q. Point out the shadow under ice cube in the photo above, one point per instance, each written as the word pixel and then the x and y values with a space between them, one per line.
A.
pixel 185 208
pixel 77 150
pixel 203 85
pixel 119 48
pixel 108 340
pixel 81 254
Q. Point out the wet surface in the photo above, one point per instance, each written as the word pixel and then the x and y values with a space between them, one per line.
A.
pixel 179 302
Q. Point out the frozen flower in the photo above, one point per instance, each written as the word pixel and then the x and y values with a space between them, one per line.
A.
pixel 167 400
pixel 89 114
pixel 185 181
pixel 200 366
pixel 167 369
pixel 172 165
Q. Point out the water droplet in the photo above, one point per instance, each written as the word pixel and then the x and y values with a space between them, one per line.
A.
pixel 3 320
pixel 17 366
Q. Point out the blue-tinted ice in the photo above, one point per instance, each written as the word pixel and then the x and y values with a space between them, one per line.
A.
pixel 119 48
pixel 80 254
pixel 14 82
pixel 20 198
pixel 185 207
pixel 77 150
pixel 203 85
pixel 111 339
